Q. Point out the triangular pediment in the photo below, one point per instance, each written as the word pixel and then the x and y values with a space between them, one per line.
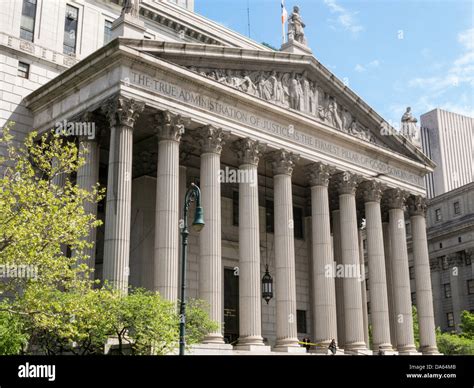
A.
pixel 292 81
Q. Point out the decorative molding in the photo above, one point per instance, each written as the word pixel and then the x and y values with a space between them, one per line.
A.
pixel 248 151
pixel 396 198
pixel 417 205
pixel 294 91
pixel 170 126
pixel 122 111
pixel 211 139
pixel 318 174
pixel 283 162
pixel 347 182
pixel 372 191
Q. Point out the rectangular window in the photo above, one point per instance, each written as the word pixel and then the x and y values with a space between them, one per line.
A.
pixel 450 319
pixel 459 239
pixel 28 16
pixel 107 32
pixel 298 222
pixel 457 208
pixel 301 321
pixel 411 270
pixel 447 290
pixel 438 214
pixel 235 208
pixel 440 245
pixel 269 216
pixel 70 30
pixel 470 286
pixel 23 70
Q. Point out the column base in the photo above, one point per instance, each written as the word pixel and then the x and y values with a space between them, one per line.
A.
pixel 255 349
pixel 212 349
pixel 409 350
pixel 356 348
pixel 430 350
pixel 386 352
pixel 359 352
pixel 214 338
pixel 289 349
pixel 250 340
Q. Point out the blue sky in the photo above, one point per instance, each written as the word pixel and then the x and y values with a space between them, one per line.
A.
pixel 392 53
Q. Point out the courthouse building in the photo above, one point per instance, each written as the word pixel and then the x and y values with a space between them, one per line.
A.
pixel 176 98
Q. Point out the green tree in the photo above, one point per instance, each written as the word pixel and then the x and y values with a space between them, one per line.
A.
pixel 416 326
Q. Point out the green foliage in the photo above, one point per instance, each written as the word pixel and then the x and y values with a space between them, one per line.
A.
pixel 198 324
pixel 59 311
pixel 416 326
pixel 13 337
pixel 467 324
pixel 458 343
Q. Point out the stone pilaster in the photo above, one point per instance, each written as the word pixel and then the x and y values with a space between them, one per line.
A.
pixel 424 296
pixel 372 193
pixel 353 313
pixel 400 275
pixel 169 129
pixel 122 114
pixel 324 292
pixel 283 163
pixel 249 152
pixel 211 140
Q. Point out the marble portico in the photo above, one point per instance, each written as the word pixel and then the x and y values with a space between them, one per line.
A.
pixel 154 107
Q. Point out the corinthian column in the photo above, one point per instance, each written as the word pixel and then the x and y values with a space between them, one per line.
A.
pixel 169 129
pixel 87 179
pixel 424 296
pixel 250 320
pixel 324 292
pixel 283 163
pixel 400 275
pixel 211 140
pixel 336 243
pixel 122 114
pixel 372 193
pixel 353 313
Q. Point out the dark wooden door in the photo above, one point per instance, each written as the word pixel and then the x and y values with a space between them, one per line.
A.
pixel 231 305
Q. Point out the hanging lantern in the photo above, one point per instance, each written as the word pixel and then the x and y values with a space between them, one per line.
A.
pixel 267 286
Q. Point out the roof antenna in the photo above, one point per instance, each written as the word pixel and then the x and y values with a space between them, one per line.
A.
pixel 248 16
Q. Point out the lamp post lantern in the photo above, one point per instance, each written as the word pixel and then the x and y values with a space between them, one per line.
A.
pixel 192 195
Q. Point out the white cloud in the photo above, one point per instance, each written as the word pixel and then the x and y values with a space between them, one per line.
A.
pixel 345 18
pixel 371 65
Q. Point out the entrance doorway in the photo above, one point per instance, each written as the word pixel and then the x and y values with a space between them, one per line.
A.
pixel 231 306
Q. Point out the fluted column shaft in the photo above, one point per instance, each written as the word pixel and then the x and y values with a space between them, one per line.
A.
pixel 424 295
pixel 389 271
pixel 336 241
pixel 87 179
pixel 169 130
pixel 285 279
pixel 353 314
pixel 376 259
pixel 250 319
pixel 363 288
pixel 324 292
pixel 400 275
pixel 122 114
pixel 210 265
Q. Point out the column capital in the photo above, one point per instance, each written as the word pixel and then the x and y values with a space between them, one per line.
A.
pixel 211 139
pixel 169 126
pixel 347 182
pixel 248 151
pixel 318 174
pixel 417 205
pixel 396 198
pixel 372 191
pixel 122 111
pixel 283 162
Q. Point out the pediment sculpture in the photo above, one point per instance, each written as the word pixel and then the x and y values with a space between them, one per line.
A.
pixel 294 91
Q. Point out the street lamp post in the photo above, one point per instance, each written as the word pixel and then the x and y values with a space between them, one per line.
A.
pixel 192 195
